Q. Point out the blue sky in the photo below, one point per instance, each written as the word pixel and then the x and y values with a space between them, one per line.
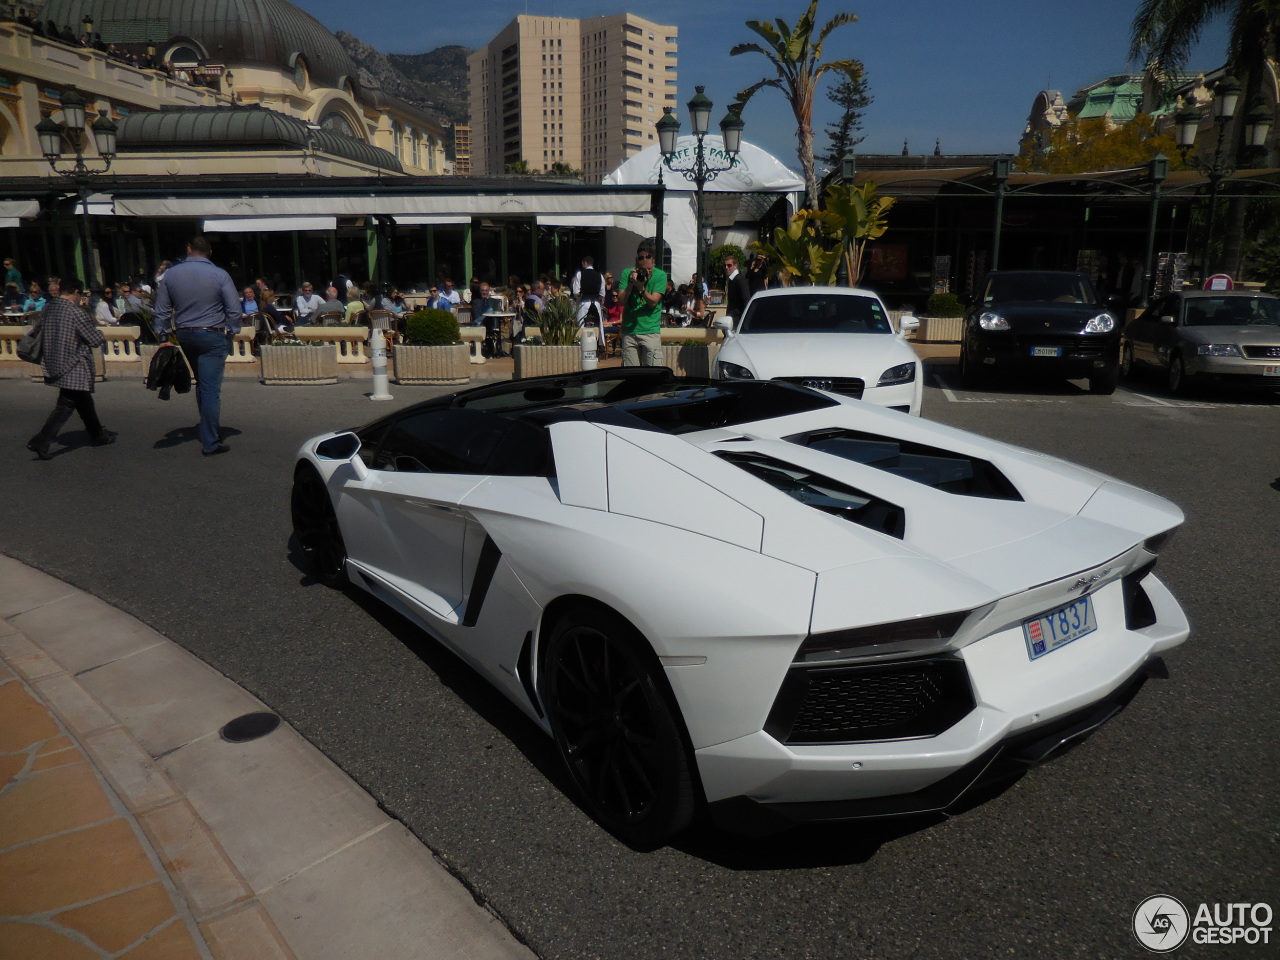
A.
pixel 965 73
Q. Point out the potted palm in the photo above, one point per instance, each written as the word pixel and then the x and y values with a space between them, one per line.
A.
pixel 433 351
pixel 292 361
pixel 554 349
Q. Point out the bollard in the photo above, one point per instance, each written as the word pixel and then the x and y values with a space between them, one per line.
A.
pixel 378 351
pixel 587 339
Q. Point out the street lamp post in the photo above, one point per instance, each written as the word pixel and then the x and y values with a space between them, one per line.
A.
pixel 1000 169
pixel 700 170
pixel 1157 171
pixel 1222 166
pixel 848 171
pixel 54 135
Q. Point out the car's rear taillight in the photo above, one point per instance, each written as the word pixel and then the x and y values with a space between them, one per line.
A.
pixel 917 633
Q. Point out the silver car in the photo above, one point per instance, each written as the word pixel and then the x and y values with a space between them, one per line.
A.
pixel 1207 336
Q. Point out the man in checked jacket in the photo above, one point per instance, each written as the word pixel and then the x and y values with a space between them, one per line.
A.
pixel 69 337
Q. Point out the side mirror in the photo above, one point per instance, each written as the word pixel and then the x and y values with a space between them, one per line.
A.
pixel 724 325
pixel 1169 320
pixel 907 323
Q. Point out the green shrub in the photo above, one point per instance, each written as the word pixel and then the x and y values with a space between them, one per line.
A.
pixel 432 328
pixel 944 305
pixel 558 322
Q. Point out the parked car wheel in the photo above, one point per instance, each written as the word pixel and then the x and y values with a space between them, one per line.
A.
pixel 971 375
pixel 616 727
pixel 1126 361
pixel 1177 375
pixel 1105 383
pixel 316 527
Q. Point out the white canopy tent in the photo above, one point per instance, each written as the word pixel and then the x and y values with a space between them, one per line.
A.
pixel 756 171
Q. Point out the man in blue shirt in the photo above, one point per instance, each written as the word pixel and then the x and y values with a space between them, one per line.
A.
pixel 198 302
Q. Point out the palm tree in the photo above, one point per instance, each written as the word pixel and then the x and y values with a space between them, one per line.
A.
pixel 1163 35
pixel 797 58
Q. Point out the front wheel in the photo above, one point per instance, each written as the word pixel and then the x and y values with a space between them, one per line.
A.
pixel 316 526
pixel 1177 375
pixel 1126 361
pixel 617 728
pixel 970 376
pixel 1104 383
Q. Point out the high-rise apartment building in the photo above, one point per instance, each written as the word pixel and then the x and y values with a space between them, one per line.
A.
pixel 583 93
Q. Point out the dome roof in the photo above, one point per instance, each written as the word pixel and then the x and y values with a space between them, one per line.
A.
pixel 211 129
pixel 267 33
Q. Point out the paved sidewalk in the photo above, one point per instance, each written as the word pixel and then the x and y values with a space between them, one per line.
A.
pixel 130 828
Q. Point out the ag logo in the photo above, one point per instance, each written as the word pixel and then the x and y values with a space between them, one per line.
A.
pixel 1161 924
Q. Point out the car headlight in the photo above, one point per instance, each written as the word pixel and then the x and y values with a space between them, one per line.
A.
pixel 902 373
pixel 990 320
pixel 731 371
pixel 1102 323
pixel 1218 350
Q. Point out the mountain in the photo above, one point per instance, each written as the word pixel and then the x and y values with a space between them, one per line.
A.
pixel 435 82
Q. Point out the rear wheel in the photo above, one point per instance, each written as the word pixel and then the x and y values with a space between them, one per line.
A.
pixel 617 727
pixel 316 526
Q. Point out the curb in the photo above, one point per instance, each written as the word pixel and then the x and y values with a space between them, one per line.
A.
pixel 270 850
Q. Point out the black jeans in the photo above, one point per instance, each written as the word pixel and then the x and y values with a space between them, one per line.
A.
pixel 79 401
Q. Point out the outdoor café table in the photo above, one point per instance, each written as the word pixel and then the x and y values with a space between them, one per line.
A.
pixel 498 325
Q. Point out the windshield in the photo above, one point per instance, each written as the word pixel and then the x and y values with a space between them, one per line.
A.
pixel 1039 287
pixel 1232 311
pixel 815 313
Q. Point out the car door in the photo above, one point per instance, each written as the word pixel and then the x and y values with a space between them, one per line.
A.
pixel 409 529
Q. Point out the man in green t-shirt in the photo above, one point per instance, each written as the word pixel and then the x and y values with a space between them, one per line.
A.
pixel 642 289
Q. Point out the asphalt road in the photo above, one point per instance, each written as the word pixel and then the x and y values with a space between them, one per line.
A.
pixel 1177 796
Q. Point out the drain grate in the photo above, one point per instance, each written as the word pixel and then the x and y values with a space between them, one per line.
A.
pixel 251 726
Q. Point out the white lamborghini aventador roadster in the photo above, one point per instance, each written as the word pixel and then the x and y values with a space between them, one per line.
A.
pixel 747 597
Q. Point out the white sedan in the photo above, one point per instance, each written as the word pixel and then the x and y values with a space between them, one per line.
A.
pixel 749 599
pixel 835 339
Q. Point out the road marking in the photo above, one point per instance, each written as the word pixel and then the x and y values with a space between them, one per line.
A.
pixel 945 389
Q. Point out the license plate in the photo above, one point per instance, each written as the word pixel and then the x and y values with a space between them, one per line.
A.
pixel 1049 631
pixel 1046 351
pixel 1271 371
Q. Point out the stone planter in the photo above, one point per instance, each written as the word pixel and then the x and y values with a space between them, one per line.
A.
pixel 691 360
pixel 940 329
pixel 544 361
pixel 297 365
pixel 432 365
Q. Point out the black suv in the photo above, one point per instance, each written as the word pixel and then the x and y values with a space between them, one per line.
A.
pixel 1044 321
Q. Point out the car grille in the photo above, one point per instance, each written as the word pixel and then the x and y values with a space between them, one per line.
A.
pixel 1262 352
pixel 885 701
pixel 845 386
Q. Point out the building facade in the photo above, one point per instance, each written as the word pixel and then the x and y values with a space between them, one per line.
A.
pixel 129 57
pixel 553 92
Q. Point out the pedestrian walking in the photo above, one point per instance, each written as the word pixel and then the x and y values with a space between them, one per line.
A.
pixel 199 303
pixel 69 337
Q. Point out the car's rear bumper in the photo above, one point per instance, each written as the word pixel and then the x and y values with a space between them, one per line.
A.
pixel 1006 760
pixel 1019 705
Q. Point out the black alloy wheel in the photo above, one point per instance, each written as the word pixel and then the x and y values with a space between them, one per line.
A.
pixel 1104 383
pixel 971 376
pixel 1126 361
pixel 1177 375
pixel 316 527
pixel 617 728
